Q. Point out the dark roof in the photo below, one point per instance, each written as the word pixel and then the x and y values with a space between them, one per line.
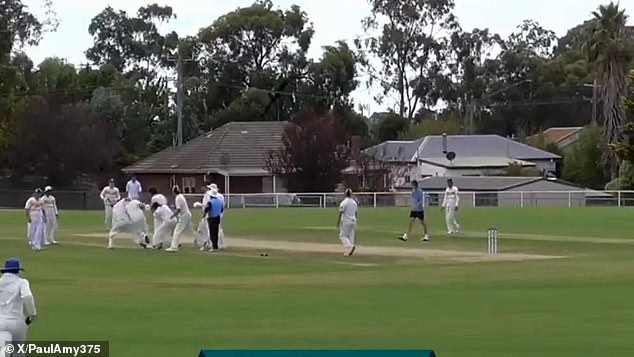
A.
pixel 236 148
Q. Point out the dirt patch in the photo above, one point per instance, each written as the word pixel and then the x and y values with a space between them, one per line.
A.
pixel 423 253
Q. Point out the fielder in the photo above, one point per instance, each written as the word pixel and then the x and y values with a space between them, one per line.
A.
pixel 52 216
pixel 17 305
pixel 347 223
pixel 184 220
pixel 417 212
pixel 160 199
pixel 128 216
pixel 168 222
pixel 202 238
pixel 450 205
pixel 133 188
pixel 35 217
pixel 110 196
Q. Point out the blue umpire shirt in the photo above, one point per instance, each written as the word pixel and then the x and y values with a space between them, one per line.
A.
pixel 215 207
pixel 418 200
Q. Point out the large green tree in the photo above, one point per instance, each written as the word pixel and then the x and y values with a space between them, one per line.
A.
pixel 608 47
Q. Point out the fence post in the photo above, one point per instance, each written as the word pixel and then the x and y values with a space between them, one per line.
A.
pixel 473 199
pixel 277 200
pixel 569 199
pixel 618 197
pixel 374 204
pixel 324 200
pixel 521 199
pixel 244 204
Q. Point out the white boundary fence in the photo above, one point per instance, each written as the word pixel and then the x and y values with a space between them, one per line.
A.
pixel 402 199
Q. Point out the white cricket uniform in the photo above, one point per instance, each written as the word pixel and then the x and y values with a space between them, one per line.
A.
pixel 164 231
pixel 203 226
pixel 184 224
pixel 16 304
pixel 51 225
pixel 450 203
pixel 160 199
pixel 128 216
pixel 110 196
pixel 36 229
pixel 347 229
pixel 134 189
pixel 221 232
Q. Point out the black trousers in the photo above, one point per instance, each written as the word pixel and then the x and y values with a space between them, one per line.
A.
pixel 214 228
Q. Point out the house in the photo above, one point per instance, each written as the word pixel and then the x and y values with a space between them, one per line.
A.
pixel 233 156
pixel 473 155
pixel 476 191
pixel 563 137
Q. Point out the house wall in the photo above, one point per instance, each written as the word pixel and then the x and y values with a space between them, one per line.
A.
pixel 569 141
pixel 426 170
pixel 545 165
pixel 193 183
pixel 512 197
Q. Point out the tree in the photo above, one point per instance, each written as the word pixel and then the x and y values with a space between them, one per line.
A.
pixel 517 170
pixel 608 48
pixel 582 162
pixel 313 154
pixel 410 49
pixel 391 126
pixel 447 124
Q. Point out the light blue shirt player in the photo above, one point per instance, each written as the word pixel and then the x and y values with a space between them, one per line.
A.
pixel 417 212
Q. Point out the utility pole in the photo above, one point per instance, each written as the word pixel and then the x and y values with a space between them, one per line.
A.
pixel 180 92
pixel 594 101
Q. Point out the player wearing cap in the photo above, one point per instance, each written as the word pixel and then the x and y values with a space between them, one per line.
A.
pixel 347 222
pixel 184 223
pixel 17 305
pixel 110 195
pixel 221 232
pixel 160 199
pixel 51 213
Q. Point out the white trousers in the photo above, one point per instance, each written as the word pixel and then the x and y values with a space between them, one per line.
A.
pixel 126 225
pixel 11 330
pixel 108 213
pixel 51 226
pixel 36 230
pixel 347 231
pixel 203 232
pixel 163 232
pixel 183 226
pixel 450 220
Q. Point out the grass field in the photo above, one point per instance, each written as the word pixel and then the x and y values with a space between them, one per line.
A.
pixel 150 303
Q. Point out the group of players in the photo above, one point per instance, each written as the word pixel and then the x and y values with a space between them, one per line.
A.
pixel 127 215
pixel 42 218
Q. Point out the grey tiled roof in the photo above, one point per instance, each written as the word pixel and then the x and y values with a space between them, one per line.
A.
pixel 476 183
pixel 482 145
pixel 234 147
pixel 394 151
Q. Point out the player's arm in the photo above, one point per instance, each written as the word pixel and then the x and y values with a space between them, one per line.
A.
pixel 28 301
pixel 102 195
pixel 444 199
pixel 457 197
pixel 340 214
pixel 27 209
pixel 178 210
pixel 55 207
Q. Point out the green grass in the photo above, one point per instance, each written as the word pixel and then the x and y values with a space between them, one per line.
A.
pixel 154 304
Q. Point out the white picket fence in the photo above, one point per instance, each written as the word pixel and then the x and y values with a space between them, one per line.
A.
pixel 402 199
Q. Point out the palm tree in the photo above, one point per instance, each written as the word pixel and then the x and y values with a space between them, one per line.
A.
pixel 608 50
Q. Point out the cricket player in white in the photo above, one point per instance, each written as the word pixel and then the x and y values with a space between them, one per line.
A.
pixel 221 232
pixel 202 238
pixel 160 199
pixel 134 189
pixel 35 217
pixel 110 196
pixel 347 222
pixel 184 220
pixel 128 216
pixel 51 213
pixel 17 305
pixel 450 205
pixel 165 230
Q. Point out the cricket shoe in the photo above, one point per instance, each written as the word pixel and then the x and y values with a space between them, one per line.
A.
pixel 425 238
pixel 403 237
pixel 158 246
pixel 204 247
pixel 349 254
pixel 171 250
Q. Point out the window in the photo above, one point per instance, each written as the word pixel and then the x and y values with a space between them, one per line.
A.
pixel 189 184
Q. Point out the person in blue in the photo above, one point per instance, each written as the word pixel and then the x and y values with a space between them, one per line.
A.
pixel 215 208
pixel 417 212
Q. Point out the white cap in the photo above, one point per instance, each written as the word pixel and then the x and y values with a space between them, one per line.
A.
pixel 213 186
pixel 48 188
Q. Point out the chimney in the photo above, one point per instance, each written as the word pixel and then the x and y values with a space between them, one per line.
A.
pixel 355 147
pixel 444 143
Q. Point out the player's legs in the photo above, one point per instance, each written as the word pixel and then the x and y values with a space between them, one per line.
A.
pixel 412 219
pixel 28 232
pixel 51 228
pixel 454 221
pixel 421 219
pixel 108 215
pixel 36 234
pixel 344 235
pixel 203 234
pixel 221 236
pixel 184 225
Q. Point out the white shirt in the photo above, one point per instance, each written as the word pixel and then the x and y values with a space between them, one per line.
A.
pixel 134 189
pixel 163 213
pixel 181 204
pixel 34 206
pixel 348 209
pixel 49 204
pixel 110 195
pixel 160 199
pixel 451 197
pixel 128 210
pixel 16 299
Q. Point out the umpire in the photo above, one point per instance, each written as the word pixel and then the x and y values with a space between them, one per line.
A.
pixel 214 211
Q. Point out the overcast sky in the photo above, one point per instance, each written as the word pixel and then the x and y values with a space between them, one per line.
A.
pixel 332 19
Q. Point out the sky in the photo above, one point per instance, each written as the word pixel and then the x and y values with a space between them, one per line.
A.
pixel 332 19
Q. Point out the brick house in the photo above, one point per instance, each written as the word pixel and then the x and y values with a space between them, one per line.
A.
pixel 233 156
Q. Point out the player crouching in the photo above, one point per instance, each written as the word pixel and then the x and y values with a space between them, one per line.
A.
pixel 128 216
